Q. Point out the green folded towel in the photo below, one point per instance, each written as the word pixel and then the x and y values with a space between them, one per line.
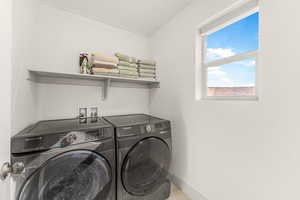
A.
pixel 150 71
pixel 133 60
pixel 123 57
pixel 147 75
pixel 134 65
pixel 128 72
pixel 124 63
pixel 147 62
pixel 127 68
pixel 128 76
pixel 142 66
pixel 147 78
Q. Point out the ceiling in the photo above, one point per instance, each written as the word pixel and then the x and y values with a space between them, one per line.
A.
pixel 141 16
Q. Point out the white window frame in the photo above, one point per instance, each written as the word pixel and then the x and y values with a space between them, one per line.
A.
pixel 229 16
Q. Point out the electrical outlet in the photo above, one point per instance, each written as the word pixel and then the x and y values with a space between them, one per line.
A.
pixel 93 112
pixel 83 113
pixel 88 111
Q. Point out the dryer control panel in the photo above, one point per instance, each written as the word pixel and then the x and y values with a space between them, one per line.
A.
pixel 154 128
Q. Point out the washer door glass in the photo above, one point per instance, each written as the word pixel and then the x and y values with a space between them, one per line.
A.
pixel 75 175
pixel 146 166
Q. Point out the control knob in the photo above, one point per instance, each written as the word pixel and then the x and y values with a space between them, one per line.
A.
pixel 69 139
pixel 148 128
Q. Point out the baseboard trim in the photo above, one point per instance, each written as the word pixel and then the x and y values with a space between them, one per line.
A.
pixel 186 188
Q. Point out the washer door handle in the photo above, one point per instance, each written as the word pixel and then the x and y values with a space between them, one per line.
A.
pixel 6 169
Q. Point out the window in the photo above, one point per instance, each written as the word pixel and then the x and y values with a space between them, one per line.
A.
pixel 229 48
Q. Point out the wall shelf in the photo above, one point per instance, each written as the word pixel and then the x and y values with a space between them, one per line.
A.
pixel 105 82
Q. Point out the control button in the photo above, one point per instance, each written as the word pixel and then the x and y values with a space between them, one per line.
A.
pixel 148 128
pixel 72 138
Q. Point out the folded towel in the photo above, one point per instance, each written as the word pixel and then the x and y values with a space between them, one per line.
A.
pixel 103 62
pixel 148 78
pixel 123 57
pixel 106 74
pixel 134 65
pixel 104 65
pixel 134 60
pixel 105 70
pixel 128 72
pixel 147 75
pixel 104 58
pixel 128 76
pixel 124 63
pixel 127 68
pixel 149 71
pixel 147 62
pixel 142 66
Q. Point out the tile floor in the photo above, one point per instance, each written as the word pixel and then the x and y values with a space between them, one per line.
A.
pixel 177 194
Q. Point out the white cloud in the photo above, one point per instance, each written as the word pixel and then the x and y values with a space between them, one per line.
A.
pixel 226 80
pixel 217 53
pixel 251 63
pixel 216 71
pixel 218 77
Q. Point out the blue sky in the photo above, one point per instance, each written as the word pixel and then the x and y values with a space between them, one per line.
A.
pixel 239 37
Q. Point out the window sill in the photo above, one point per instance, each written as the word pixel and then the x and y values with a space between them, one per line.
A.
pixel 228 98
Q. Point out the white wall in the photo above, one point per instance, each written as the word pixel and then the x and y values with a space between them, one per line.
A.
pixel 5 86
pixel 24 92
pixel 60 37
pixel 51 39
pixel 233 150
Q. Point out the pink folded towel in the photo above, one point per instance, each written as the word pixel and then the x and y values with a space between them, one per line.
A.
pixel 104 58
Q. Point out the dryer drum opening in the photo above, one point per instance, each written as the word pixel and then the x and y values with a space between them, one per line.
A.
pixel 146 166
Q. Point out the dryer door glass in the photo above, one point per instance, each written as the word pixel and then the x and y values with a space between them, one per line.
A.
pixel 75 175
pixel 146 166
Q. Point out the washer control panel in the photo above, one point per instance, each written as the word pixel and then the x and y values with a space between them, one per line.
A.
pixel 78 137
